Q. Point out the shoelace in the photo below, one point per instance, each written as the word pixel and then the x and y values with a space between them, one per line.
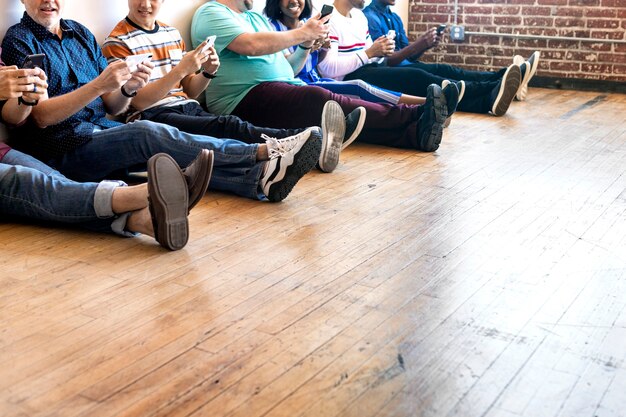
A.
pixel 279 147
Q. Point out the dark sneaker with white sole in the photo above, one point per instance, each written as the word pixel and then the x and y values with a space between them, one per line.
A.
pixel 505 91
pixel 528 68
pixel 290 159
pixel 168 201
pixel 354 124
pixel 451 92
pixel 333 131
pixel 431 122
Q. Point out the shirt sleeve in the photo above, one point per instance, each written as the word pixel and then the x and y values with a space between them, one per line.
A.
pixel 402 41
pixel 336 65
pixel 215 19
pixel 114 49
pixel 15 48
pixel 374 23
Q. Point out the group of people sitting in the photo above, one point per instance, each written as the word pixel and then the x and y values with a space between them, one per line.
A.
pixel 284 93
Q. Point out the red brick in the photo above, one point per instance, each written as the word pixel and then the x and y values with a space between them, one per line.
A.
pixel 613 3
pixel 506 10
pixel 609 13
pixel 552 55
pixel 621 13
pixel 477 10
pixel 521 2
pixel 507 20
pixel 615 78
pixel 596 46
pixel 422 8
pixel 538 21
pixel 620 48
pixel 584 2
pixel 597 68
pixel 476 60
pixel 532 43
pixel 446 9
pixel 614 58
pixel 617 35
pixel 581 56
pixel 536 11
pixel 602 23
pixel 484 40
pixel 619 69
pixel 570 11
pixel 564 66
pixel 553 2
pixel 564 44
pixel 434 1
pixel 569 22
pixel 478 20
pixel 574 33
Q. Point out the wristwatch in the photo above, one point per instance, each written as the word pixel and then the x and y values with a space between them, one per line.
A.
pixel 208 75
pixel 125 94
pixel 20 100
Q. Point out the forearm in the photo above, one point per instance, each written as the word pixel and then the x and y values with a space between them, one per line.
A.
pixel 14 113
pixel 57 109
pixel 297 59
pixel 194 85
pixel 156 90
pixel 266 43
pixel 335 66
pixel 115 102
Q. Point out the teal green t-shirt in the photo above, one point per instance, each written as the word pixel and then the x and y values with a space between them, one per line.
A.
pixel 238 74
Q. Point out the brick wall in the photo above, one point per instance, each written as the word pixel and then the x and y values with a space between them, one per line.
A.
pixel 578 59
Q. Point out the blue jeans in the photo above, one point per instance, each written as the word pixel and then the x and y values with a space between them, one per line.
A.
pixel 191 118
pixel 129 146
pixel 31 189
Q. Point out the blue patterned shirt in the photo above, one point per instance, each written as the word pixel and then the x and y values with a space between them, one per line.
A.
pixel 70 63
pixel 381 20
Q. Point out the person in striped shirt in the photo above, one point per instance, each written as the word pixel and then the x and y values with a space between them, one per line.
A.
pixel 175 82
pixel 355 55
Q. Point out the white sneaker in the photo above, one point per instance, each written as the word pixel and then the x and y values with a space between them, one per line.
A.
pixel 333 131
pixel 289 159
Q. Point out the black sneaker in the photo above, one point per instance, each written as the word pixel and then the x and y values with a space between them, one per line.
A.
pixel 505 91
pixel 528 69
pixel 290 159
pixel 431 122
pixel 354 124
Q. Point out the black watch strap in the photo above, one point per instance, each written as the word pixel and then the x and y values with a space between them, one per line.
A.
pixel 125 94
pixel 20 100
pixel 207 75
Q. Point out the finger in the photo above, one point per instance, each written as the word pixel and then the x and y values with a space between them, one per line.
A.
pixel 8 68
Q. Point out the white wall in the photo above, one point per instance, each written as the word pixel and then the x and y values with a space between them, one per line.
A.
pixel 101 15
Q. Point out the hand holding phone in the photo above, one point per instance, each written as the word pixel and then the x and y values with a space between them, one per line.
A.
pixel 326 10
pixel 440 29
pixel 133 60
pixel 391 34
pixel 210 41
pixel 32 61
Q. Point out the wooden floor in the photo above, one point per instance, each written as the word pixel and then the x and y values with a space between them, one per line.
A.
pixel 486 279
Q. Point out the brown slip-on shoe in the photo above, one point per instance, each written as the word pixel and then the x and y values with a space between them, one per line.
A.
pixel 168 198
pixel 198 174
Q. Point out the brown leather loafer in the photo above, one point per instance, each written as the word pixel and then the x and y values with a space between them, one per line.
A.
pixel 198 175
pixel 168 199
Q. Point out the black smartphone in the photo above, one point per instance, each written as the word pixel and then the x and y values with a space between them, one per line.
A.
pixel 32 61
pixel 440 29
pixel 326 10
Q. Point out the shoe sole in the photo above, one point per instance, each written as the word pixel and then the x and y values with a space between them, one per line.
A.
pixel 438 114
pixel 523 89
pixel 206 166
pixel 508 89
pixel 357 130
pixel 304 161
pixel 333 131
pixel 168 200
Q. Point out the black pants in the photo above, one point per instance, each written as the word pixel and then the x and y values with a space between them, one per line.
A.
pixel 192 118
pixel 480 87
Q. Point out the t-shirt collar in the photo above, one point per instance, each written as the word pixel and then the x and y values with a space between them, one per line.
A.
pixel 135 25
pixel 41 32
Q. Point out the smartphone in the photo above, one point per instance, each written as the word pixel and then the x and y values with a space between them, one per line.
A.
pixel 440 29
pixel 133 60
pixel 326 10
pixel 210 41
pixel 391 34
pixel 32 61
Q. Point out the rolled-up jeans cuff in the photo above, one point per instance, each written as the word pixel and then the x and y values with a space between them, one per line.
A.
pixel 103 198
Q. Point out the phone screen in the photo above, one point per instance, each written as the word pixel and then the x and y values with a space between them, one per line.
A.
pixel 210 41
pixel 133 60
pixel 326 10
pixel 32 61
pixel 440 29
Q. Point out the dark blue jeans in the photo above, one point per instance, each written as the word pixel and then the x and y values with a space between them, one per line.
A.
pixel 414 80
pixel 192 118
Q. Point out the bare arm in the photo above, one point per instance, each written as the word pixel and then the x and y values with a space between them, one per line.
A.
pixel 265 43
pixel 415 49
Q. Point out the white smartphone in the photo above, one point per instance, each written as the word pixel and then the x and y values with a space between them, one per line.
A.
pixel 133 60
pixel 210 41
pixel 391 34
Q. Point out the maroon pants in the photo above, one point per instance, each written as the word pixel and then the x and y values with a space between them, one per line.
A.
pixel 286 106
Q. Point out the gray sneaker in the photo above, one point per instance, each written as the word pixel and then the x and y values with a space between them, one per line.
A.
pixel 333 131
pixel 290 159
